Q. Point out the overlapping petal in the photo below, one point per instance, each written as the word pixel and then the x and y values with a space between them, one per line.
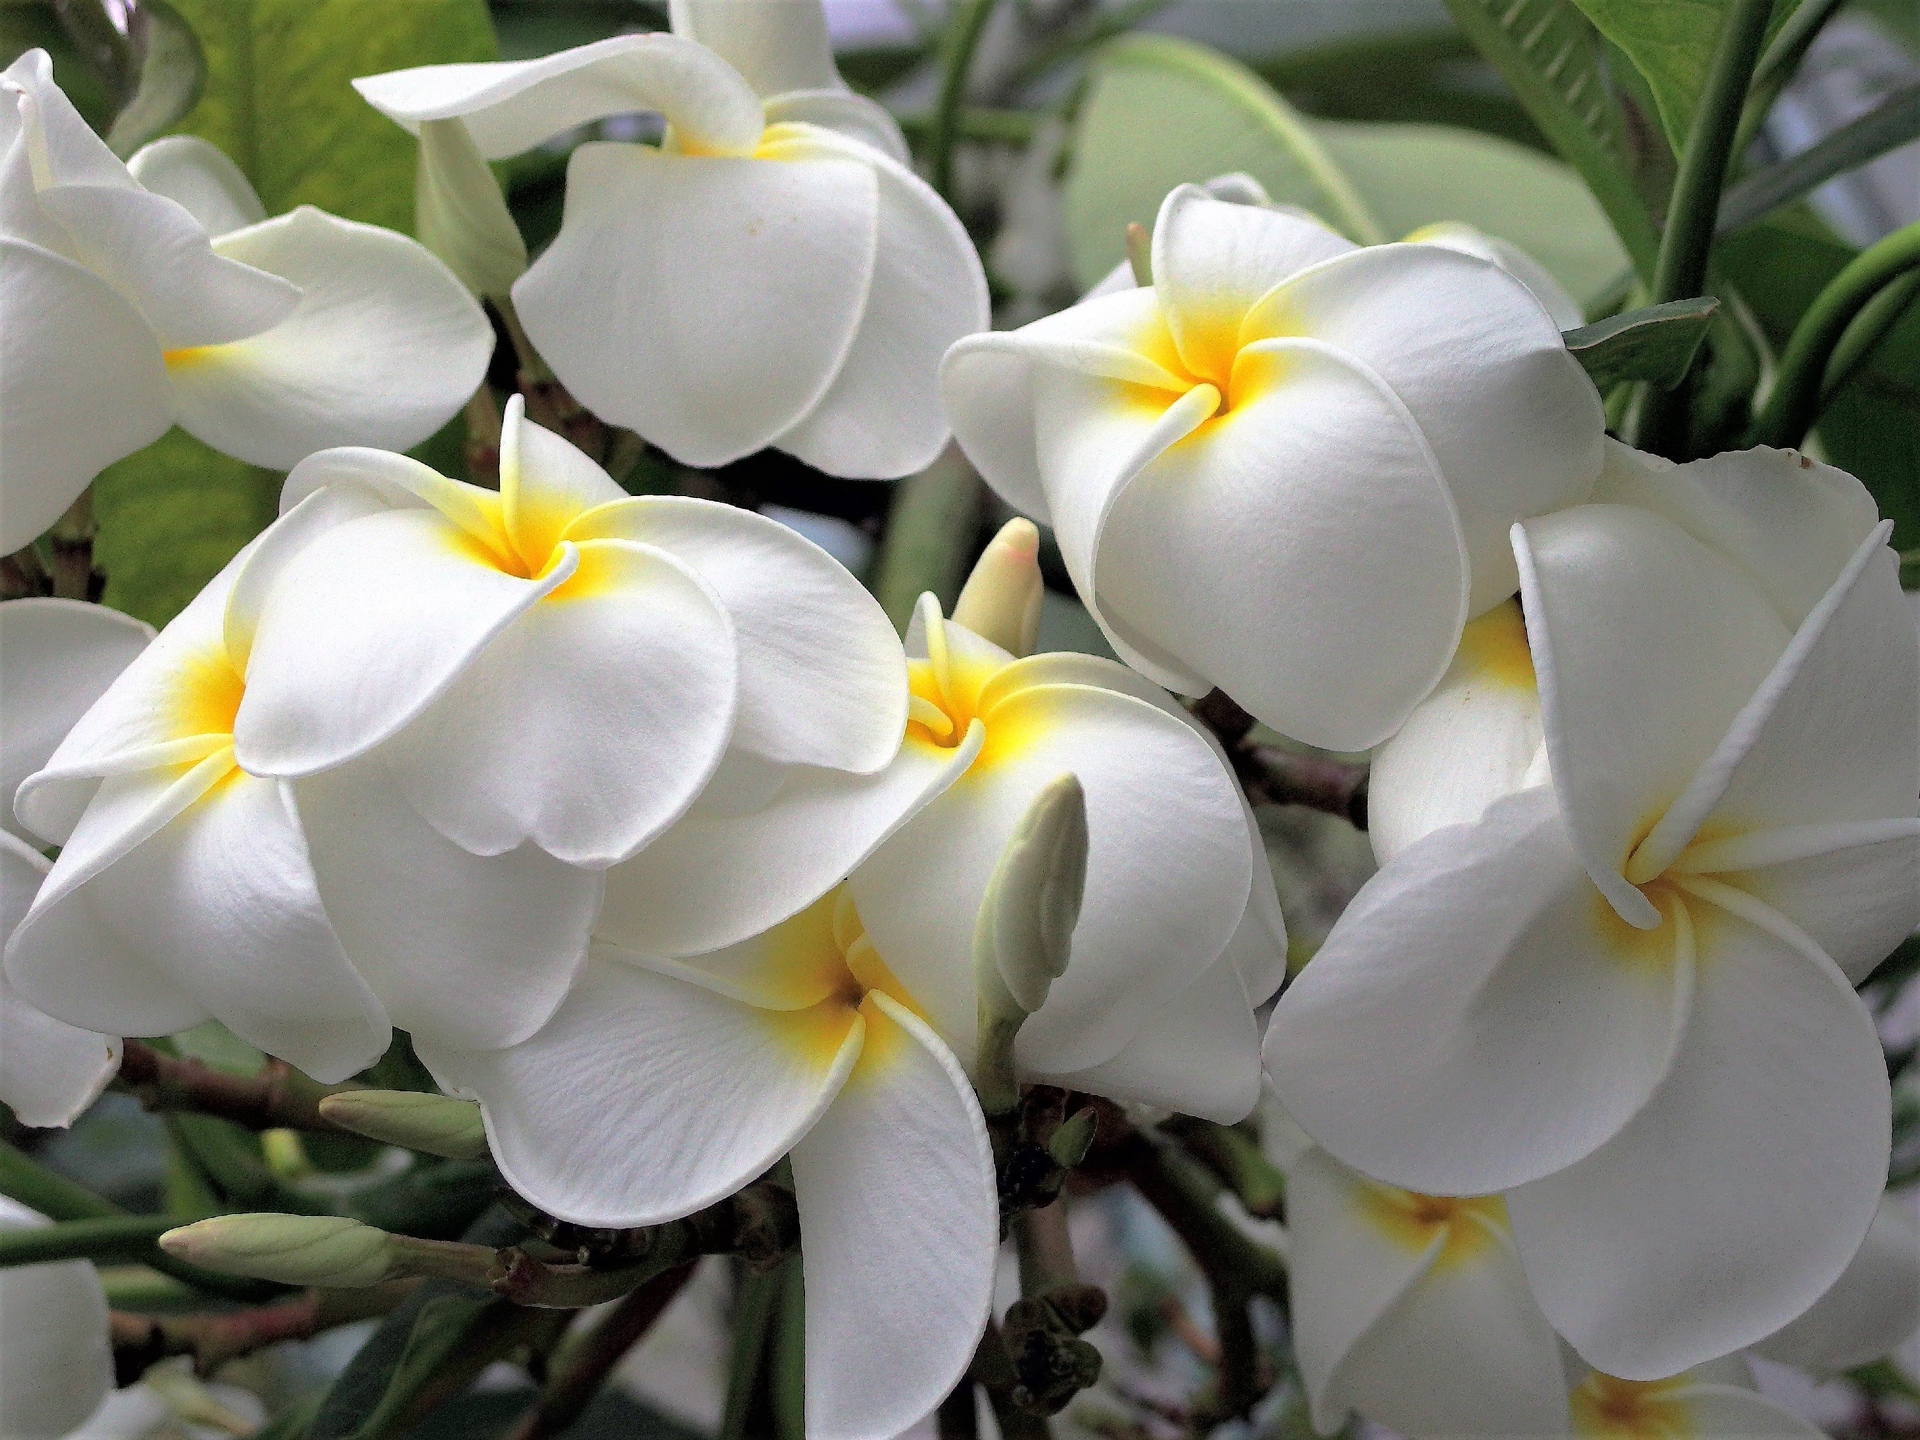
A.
pixel 901 1227
pixel 200 178
pixel 1647 645
pixel 1872 1307
pixel 513 105
pixel 1564 310
pixel 1479 1017
pixel 648 1097
pixel 57 657
pixel 383 345
pixel 467 951
pixel 1854 889
pixel 881 416
pixel 775 48
pixel 1777 1106
pixel 56 1366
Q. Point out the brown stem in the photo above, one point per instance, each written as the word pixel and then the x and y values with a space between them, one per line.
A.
pixel 140 1341
pixel 1275 776
pixel 483 438
pixel 992 1369
pixel 71 540
pixel 578 1378
pixel 278 1097
pixel 22 575
pixel 1045 1249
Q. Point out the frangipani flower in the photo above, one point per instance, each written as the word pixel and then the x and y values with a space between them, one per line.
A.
pixel 1715 1401
pixel 772 274
pixel 1413 1309
pixel 1286 468
pixel 56 1366
pixel 56 658
pixel 1872 1307
pixel 1626 1000
pixel 157 292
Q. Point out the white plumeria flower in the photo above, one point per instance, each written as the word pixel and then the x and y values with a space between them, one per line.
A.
pixel 1286 468
pixel 549 676
pixel 1627 999
pixel 1552 295
pixel 1872 1308
pixel 157 292
pixel 56 658
pixel 1715 1401
pixel 56 1366
pixel 1413 1309
pixel 772 274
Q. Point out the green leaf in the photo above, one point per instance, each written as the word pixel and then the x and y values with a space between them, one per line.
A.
pixel 1656 344
pixel 1551 57
pixel 1163 112
pixel 1892 123
pixel 278 98
pixel 1416 175
pixel 1671 43
pixel 172 70
pixel 169 517
pixel 1160 112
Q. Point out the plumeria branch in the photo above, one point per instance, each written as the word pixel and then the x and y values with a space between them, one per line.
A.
pixel 141 1341
pixel 277 1097
pixel 1236 1160
pixel 1273 776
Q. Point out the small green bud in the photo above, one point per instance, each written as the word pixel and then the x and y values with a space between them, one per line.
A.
pixel 1001 601
pixel 1074 1138
pixel 1140 253
pixel 460 214
pixel 289 1249
pixel 432 1124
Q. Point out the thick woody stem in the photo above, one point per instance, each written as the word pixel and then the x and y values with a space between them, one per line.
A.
pixel 577 1376
pixel 140 1341
pixel 278 1097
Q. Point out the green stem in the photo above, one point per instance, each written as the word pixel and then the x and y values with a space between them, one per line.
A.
pixel 1863 336
pixel 963 38
pixel 974 122
pixel 1783 55
pixel 1796 399
pixel 932 528
pixel 1114 22
pixel 1680 269
pixel 114 1237
pixel 754 1310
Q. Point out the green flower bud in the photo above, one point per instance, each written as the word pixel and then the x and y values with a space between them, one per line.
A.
pixel 1001 601
pixel 431 1124
pixel 289 1249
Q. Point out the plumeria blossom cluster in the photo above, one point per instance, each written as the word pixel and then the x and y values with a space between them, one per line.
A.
pixel 669 854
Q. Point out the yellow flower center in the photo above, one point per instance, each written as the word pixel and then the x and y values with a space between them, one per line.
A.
pixel 825 951
pixel 1464 1225
pixel 1604 1406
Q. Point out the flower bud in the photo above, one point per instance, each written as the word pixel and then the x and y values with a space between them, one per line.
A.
pixel 431 1124
pixel 1001 601
pixel 289 1249
pixel 459 213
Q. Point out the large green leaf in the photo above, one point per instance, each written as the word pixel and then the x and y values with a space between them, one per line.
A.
pixel 1671 43
pixel 279 101
pixel 1162 112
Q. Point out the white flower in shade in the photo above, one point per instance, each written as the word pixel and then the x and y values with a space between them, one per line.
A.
pixel 56 1366
pixel 1286 468
pixel 1872 1307
pixel 56 659
pixel 771 274
pixel 1552 295
pixel 1714 1401
pixel 846 1033
pixel 1413 1309
pixel 1626 999
pixel 157 292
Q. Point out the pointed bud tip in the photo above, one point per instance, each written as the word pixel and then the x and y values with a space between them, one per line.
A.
pixel 290 1249
pixel 1001 600
pixel 432 1124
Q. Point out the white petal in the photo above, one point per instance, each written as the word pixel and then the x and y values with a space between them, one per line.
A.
pixel 1198 1053
pixel 364 628
pixel 1300 551
pixel 590 723
pixel 199 176
pixel 1479 1018
pixel 1512 418
pixel 1854 889
pixel 464 951
pixel 1212 262
pixel 1564 310
pixel 1789 522
pixel 881 417
pixel 706 302
pixel 1647 645
pixel 384 347
pixel 49 1070
pixel 56 658
pixel 1464 1351
pixel 1168 869
pixel 1474 740
pixel 196 905
pixel 822 678
pixel 81 385
pixel 900 1228
pixel 1828 737
pixel 513 105
pixel 774 47
pixel 546 483
pixel 646 1098
pixel 1872 1307
pixel 721 873
pixel 1738 1195
pixel 1737 1414
pixel 842 111
pixel 56 1366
